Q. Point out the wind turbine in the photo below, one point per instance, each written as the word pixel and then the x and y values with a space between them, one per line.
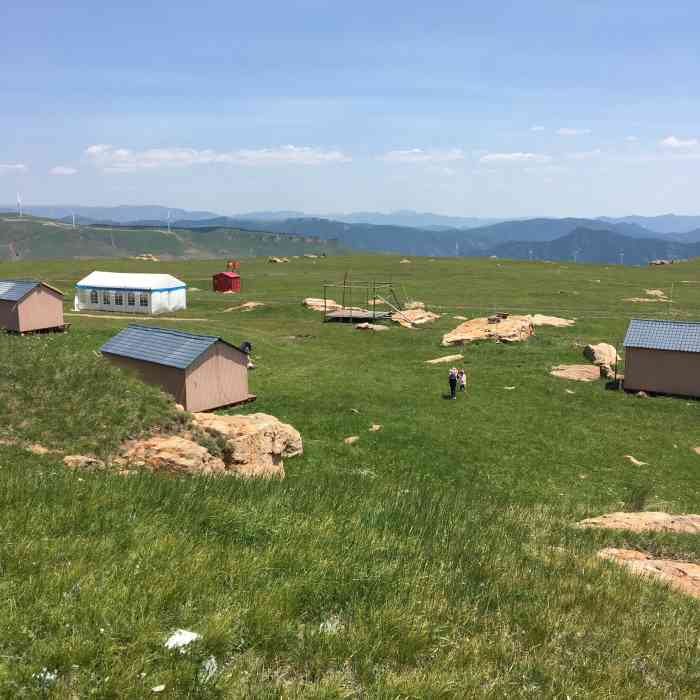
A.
pixel 73 215
pixel 576 252
pixel 19 205
pixel 622 257
pixel 168 220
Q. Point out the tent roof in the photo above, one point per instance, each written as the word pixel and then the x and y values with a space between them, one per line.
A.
pixel 162 346
pixel 14 290
pixel 663 335
pixel 130 280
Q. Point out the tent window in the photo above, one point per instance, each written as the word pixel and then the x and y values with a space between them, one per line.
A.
pixel 118 299
pixel 131 299
pixel 106 298
pixel 143 299
pixel 94 299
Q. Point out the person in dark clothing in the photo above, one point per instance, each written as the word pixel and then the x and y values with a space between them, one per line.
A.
pixel 452 377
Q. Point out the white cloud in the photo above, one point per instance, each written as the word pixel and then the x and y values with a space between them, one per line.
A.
pixel 585 155
pixel 515 158
pixel 12 168
pixel 679 144
pixel 123 159
pixel 537 128
pixel 567 131
pixel 631 139
pixel 62 170
pixel 418 155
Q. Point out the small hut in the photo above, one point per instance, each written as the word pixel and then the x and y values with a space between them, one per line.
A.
pixel 28 305
pixel 226 282
pixel 201 372
pixel 663 357
pixel 127 292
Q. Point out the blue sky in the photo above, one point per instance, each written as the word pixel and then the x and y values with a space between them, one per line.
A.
pixel 483 109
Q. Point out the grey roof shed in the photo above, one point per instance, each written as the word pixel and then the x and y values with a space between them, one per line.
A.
pixel 663 356
pixel 30 305
pixel 201 371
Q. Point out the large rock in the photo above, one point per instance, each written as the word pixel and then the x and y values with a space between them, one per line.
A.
pixel 255 444
pixel 171 453
pixel 681 575
pixel 602 354
pixel 645 521
pixel 503 328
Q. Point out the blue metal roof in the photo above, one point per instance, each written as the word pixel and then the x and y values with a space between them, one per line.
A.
pixel 14 290
pixel 663 335
pixel 162 346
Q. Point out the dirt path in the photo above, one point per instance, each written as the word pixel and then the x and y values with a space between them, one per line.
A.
pixel 135 317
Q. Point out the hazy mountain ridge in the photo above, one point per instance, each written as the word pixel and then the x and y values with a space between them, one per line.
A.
pixel 667 224
pixel 598 246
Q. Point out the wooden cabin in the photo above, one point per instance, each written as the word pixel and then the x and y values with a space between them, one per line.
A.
pixel 663 357
pixel 28 305
pixel 201 372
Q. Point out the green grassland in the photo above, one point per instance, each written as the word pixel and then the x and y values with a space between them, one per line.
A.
pixel 31 238
pixel 433 559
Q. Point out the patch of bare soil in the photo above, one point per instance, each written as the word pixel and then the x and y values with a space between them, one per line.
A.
pixel 647 521
pixel 682 575
pixel 404 261
pixel 319 305
pixel 135 317
pixel 273 259
pixel 370 327
pixel 542 320
pixel 246 306
pixel 652 296
pixel 409 318
pixel 580 373
pixel 445 358
pixel 509 329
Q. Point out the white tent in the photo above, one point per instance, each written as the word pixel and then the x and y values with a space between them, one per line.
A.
pixel 130 293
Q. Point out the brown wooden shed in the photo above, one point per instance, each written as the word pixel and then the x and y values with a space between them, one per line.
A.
pixel 663 357
pixel 28 305
pixel 202 372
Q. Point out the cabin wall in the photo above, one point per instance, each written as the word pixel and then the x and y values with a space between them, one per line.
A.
pixel 170 379
pixel 218 378
pixel 9 316
pixel 41 308
pixel 662 371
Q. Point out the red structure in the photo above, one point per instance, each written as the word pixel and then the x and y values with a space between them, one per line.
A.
pixel 226 282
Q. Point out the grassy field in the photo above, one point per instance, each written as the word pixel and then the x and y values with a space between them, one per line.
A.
pixel 433 559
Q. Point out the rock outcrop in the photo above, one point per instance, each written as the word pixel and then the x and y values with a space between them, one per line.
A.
pixel 171 453
pixel 409 318
pixel 646 521
pixel 254 445
pixel 601 354
pixel 681 575
pixel 83 462
pixel 504 328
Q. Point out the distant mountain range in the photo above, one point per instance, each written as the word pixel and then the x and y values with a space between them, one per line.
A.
pixel 199 235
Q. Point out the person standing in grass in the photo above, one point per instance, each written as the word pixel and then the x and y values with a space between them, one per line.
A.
pixel 462 377
pixel 452 378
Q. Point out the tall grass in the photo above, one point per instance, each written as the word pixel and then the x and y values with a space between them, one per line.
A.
pixel 433 559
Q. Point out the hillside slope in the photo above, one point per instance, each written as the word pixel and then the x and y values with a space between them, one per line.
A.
pixel 33 238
